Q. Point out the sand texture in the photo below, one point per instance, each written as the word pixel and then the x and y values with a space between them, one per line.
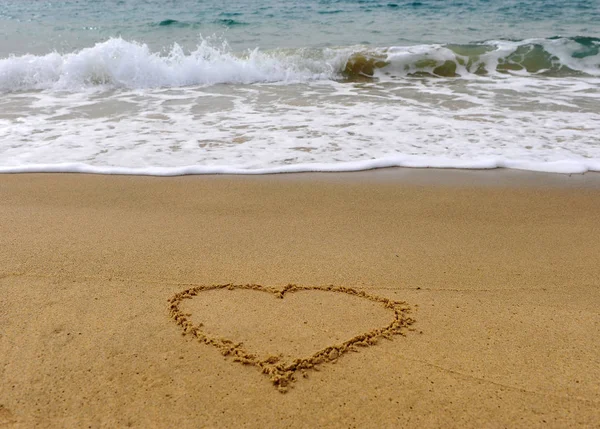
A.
pixel 399 298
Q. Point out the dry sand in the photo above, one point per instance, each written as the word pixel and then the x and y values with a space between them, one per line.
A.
pixel 501 271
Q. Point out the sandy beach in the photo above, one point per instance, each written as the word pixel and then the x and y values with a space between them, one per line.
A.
pixel 496 275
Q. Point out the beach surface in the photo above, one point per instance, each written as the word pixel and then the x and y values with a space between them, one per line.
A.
pixel 500 271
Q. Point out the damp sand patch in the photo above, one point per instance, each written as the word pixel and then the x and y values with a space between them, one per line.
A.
pixel 290 331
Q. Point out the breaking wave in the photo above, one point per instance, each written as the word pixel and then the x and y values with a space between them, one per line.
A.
pixel 117 63
pixel 577 56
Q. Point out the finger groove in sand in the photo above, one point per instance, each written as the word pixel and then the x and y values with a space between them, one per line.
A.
pixel 281 373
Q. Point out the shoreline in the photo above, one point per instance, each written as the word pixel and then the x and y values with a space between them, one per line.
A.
pixel 378 168
pixel 434 176
pixel 499 268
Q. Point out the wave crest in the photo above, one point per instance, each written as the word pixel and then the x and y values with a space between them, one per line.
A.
pixel 122 64
pixel 118 63
pixel 553 57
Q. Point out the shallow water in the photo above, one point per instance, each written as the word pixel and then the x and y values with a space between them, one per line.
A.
pixel 196 87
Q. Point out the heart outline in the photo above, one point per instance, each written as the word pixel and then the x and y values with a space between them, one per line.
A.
pixel 282 374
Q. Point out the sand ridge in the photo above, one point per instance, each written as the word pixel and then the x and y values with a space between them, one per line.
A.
pixel 282 373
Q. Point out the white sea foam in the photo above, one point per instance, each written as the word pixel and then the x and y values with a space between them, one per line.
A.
pixel 564 167
pixel 117 108
pixel 553 125
pixel 499 57
pixel 117 63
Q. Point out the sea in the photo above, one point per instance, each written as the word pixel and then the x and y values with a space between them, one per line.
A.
pixel 173 87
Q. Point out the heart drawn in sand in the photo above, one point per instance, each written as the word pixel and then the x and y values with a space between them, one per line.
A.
pixel 282 372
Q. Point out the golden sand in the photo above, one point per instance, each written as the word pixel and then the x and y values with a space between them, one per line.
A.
pixel 500 271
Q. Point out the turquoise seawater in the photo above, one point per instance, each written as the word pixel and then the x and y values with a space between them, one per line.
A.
pixel 35 26
pixel 201 86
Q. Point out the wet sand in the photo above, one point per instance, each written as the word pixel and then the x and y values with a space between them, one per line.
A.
pixel 499 270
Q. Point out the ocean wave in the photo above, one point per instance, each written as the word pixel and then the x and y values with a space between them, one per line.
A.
pixel 229 22
pixel 329 12
pixel 553 57
pixel 118 63
pixel 174 23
